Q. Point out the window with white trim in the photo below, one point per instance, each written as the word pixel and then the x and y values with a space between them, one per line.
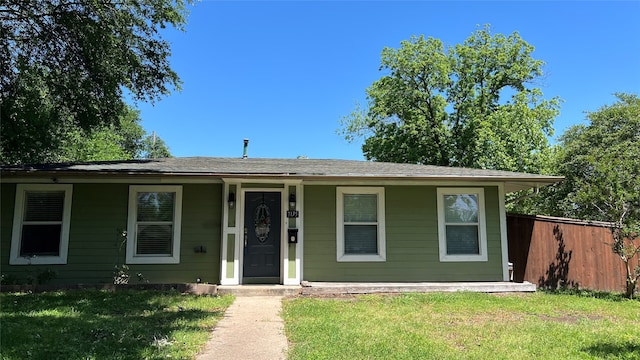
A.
pixel 42 215
pixel 360 224
pixel 153 230
pixel 461 224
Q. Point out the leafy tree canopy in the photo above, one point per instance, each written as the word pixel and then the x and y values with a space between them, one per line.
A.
pixel 153 147
pixel 468 105
pixel 601 166
pixel 66 64
pixel 124 141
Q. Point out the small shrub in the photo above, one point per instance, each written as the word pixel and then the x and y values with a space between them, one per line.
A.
pixel 40 277
pixel 9 279
pixel 121 271
pixel 121 274
pixel 45 276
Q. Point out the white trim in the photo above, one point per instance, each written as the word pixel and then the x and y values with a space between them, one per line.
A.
pixel 174 258
pixel 340 252
pixel 510 184
pixel 298 254
pixel 504 241
pixel 400 182
pixel 300 244
pixel 227 230
pixel 284 242
pixel 16 234
pixel 98 178
pixel 442 230
pixel 262 180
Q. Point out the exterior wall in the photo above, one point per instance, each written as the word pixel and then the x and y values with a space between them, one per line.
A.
pixel 99 214
pixel 232 256
pixel 411 240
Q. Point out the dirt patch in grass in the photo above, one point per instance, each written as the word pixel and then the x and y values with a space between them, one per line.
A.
pixel 326 296
pixel 570 319
pixel 479 319
pixel 513 294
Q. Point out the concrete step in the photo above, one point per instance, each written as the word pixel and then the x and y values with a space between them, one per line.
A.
pixel 259 290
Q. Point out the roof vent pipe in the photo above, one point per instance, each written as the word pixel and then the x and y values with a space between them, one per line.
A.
pixel 246 147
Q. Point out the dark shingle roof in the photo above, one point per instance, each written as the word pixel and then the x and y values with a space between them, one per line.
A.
pixel 289 168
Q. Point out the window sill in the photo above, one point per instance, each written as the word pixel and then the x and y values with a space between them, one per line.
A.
pixel 153 260
pixel 39 260
pixel 361 258
pixel 463 258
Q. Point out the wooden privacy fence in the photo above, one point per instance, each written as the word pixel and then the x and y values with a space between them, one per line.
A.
pixel 556 252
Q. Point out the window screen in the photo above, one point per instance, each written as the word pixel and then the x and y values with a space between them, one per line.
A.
pixel 154 227
pixel 42 223
pixel 461 224
pixel 360 224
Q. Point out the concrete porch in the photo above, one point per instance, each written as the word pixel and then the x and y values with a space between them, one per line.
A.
pixel 311 288
pixel 337 288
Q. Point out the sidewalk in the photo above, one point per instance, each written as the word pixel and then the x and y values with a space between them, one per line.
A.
pixel 251 329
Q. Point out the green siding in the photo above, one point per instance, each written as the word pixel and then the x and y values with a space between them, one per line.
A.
pixel 411 240
pixel 99 214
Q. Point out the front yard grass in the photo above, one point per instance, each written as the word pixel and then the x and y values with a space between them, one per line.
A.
pixel 463 326
pixel 127 324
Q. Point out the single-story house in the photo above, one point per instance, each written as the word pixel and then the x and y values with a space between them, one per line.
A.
pixel 235 221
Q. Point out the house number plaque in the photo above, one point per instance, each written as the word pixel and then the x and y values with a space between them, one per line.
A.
pixel 293 214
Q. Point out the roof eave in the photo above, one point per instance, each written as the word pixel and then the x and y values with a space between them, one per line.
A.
pixel 512 183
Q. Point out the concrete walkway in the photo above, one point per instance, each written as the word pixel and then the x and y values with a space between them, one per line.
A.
pixel 251 329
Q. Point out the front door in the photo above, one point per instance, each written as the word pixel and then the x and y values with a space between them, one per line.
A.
pixel 262 237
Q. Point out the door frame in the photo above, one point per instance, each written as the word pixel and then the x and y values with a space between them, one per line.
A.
pixel 241 221
pixel 232 249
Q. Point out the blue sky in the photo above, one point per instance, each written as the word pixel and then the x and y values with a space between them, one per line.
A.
pixel 283 73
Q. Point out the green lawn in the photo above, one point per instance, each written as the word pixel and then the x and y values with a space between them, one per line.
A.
pixel 154 325
pixel 463 326
pixel 107 325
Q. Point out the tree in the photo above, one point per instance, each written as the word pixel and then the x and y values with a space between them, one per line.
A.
pixel 153 147
pixel 468 105
pixel 66 64
pixel 601 166
pixel 124 141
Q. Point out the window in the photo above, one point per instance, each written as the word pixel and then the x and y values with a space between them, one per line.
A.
pixel 41 224
pixel 360 224
pixel 461 224
pixel 153 231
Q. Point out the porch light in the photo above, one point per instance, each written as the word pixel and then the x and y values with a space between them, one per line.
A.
pixel 292 201
pixel 232 200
